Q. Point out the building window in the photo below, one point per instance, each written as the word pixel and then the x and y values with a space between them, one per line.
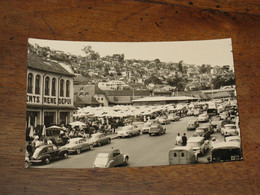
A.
pixel 53 87
pixel 37 84
pixel 67 88
pixel 61 88
pixel 30 82
pixel 47 86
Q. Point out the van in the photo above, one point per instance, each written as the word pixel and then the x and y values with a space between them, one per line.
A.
pixel 225 151
pixel 182 155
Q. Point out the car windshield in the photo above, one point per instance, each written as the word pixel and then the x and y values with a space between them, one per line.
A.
pixel 230 127
pixel 193 144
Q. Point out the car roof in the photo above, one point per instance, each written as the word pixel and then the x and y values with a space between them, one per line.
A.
pixel 223 145
pixel 75 139
pixel 195 139
pixel 109 150
pixel 45 146
pixel 97 134
pixel 232 138
pixel 178 148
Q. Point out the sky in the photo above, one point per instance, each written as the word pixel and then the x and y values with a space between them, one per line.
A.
pixel 213 52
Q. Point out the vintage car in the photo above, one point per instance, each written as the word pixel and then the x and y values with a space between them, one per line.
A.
pixel 229 129
pixel 203 118
pixel 146 127
pixel 202 132
pixel 182 155
pixel 163 120
pixel 192 125
pixel 157 129
pixel 138 124
pixel 198 144
pixel 128 131
pixel 99 139
pixel 207 125
pixel 110 158
pixel 173 117
pixel 76 145
pixel 47 153
pixel 225 151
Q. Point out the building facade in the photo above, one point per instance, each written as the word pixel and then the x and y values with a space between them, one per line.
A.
pixel 49 93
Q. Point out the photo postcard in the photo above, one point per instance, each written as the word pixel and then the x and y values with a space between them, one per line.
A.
pixel 130 104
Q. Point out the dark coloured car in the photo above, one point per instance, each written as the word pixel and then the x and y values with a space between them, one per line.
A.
pixel 47 153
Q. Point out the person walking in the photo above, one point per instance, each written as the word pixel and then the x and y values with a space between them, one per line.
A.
pixel 184 140
pixel 178 140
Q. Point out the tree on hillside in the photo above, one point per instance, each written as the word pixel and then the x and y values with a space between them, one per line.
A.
pixel 91 54
pixel 153 79
pixel 180 66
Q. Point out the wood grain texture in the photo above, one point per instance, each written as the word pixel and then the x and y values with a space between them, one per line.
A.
pixel 143 20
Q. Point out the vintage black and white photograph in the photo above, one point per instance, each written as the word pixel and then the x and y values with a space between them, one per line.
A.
pixel 130 104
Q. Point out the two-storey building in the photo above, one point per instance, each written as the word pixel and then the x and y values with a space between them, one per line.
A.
pixel 49 92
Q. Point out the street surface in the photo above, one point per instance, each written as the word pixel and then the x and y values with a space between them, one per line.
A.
pixel 143 150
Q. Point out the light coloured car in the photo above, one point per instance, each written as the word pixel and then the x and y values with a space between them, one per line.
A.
pixel 192 125
pixel 198 144
pixel 128 131
pixel 202 132
pixel 76 145
pixel 110 158
pixel 157 129
pixel 146 127
pixel 163 120
pixel 99 139
pixel 173 117
pixel 203 118
pixel 233 139
pixel 229 129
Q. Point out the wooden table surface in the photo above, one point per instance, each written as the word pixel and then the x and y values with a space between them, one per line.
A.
pixel 129 20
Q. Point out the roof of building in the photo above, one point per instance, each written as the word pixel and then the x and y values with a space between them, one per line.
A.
pixel 129 92
pixel 86 100
pixel 45 65
pixel 91 89
pixel 159 98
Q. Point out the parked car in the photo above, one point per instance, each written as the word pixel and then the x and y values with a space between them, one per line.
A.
pixel 47 153
pixel 203 118
pixel 229 129
pixel 202 132
pixel 207 125
pixel 146 127
pixel 163 120
pixel 128 131
pixel 225 151
pixel 198 144
pixel 76 145
pixel 173 117
pixel 157 129
pixel 192 125
pixel 110 158
pixel 99 139
pixel 182 155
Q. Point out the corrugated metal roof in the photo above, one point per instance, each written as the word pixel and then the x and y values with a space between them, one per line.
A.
pixel 158 98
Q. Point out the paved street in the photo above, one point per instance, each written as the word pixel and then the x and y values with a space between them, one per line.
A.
pixel 143 150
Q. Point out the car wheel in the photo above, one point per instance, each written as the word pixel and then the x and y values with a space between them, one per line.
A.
pixel 130 135
pixel 65 155
pixel 99 144
pixel 150 134
pixel 91 147
pixel 109 141
pixel 47 160
pixel 78 151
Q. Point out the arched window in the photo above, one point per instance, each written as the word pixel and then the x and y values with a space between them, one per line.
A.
pixel 67 88
pixel 61 88
pixel 37 84
pixel 47 86
pixel 29 84
pixel 53 87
